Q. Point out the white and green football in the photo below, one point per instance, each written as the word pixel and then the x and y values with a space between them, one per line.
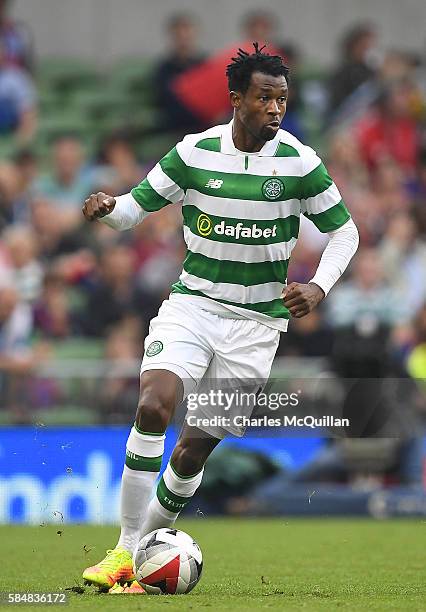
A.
pixel 168 561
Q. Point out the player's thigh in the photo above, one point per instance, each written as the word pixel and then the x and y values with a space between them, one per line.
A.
pixel 248 354
pixel 237 373
pixel 178 342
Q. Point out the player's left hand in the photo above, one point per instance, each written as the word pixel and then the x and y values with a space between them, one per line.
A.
pixel 301 299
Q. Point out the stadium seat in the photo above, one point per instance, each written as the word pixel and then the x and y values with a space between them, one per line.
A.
pixel 153 147
pixel 97 103
pixel 54 125
pixel 78 348
pixel 7 148
pixel 134 75
pixel 67 415
pixel 63 74
pixel 48 101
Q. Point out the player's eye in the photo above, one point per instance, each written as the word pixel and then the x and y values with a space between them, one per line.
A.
pixel 282 100
pixel 264 98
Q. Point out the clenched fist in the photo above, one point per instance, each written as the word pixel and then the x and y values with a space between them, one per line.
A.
pixel 98 205
pixel 301 299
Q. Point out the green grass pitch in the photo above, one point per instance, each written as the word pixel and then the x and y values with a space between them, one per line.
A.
pixel 277 564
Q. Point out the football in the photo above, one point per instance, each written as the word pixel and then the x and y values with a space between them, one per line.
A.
pixel 168 561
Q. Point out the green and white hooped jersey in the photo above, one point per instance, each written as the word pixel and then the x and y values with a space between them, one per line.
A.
pixel 241 215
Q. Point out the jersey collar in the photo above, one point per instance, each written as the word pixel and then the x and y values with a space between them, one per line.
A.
pixel 228 148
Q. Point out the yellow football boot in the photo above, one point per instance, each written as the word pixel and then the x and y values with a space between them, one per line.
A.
pixel 116 567
pixel 134 587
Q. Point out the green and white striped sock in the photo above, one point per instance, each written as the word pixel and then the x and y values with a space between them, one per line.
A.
pixel 144 452
pixel 173 494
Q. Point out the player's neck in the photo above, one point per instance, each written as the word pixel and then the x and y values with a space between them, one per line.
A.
pixel 243 139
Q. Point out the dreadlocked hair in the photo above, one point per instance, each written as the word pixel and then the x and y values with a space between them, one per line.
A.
pixel 241 68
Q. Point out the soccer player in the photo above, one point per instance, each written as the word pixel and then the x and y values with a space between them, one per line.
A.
pixel 243 186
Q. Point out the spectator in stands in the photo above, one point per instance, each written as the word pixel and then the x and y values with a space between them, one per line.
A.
pixel 374 204
pixel 26 165
pixel 70 181
pixel 366 300
pixel 115 297
pixel 416 362
pixel 356 66
pixel 18 358
pixel 120 390
pixel 9 187
pixel 292 121
pixel 21 247
pixel 363 313
pixel 416 187
pixel 69 252
pixel 16 180
pixel 345 164
pixel 160 252
pixel 388 189
pixel 260 26
pixel 16 40
pixel 307 337
pixel 18 109
pixel 119 169
pixel 15 332
pixel 53 316
pixel 56 239
pixel 389 130
pixel 398 65
pixel 182 30
pixel 403 257
pixel 417 191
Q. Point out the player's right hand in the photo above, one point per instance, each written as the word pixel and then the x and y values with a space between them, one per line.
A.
pixel 98 205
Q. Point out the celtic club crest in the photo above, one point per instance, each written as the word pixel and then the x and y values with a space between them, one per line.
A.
pixel 273 188
pixel 154 348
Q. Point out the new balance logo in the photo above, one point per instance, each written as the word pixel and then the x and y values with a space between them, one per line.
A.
pixel 214 183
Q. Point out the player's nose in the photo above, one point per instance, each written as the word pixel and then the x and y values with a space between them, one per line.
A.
pixel 274 109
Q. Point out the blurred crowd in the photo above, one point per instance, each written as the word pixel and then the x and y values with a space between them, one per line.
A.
pixel 62 278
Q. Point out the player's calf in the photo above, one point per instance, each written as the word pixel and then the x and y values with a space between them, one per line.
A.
pixel 192 451
pixel 173 493
pixel 180 479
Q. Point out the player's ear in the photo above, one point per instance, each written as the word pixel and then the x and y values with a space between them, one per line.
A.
pixel 235 98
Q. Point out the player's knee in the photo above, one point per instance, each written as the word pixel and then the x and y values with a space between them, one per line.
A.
pixel 152 415
pixel 186 459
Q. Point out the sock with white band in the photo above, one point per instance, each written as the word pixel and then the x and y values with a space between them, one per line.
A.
pixel 173 493
pixel 144 452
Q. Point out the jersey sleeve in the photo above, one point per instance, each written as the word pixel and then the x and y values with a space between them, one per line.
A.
pixel 165 183
pixel 321 201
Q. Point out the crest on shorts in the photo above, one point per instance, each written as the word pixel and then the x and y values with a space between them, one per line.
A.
pixel 154 348
pixel 273 188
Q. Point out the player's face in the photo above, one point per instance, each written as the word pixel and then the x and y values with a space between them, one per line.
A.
pixel 262 108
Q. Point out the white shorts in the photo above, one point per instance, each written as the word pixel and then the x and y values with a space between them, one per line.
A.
pixel 210 351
